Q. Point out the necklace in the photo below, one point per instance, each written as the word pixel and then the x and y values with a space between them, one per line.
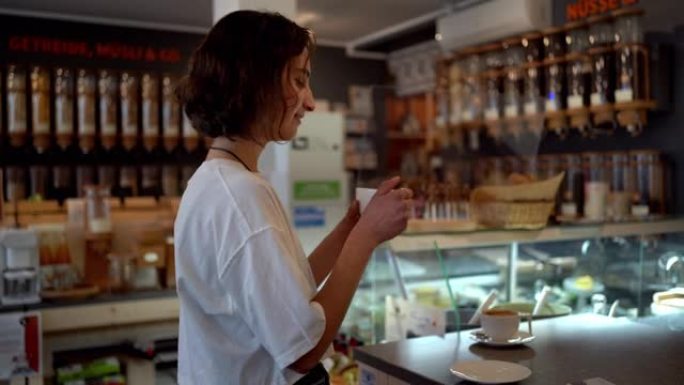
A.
pixel 233 155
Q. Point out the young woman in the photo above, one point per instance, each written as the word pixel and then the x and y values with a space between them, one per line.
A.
pixel 253 308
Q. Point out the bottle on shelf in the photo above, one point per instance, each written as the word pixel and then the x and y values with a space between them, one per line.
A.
pixel 108 85
pixel 86 159
pixel 40 106
pixel 129 96
pixel 17 123
pixel 171 119
pixel 152 153
pixel 64 106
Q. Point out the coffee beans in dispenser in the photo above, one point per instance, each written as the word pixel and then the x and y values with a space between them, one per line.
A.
pixel 473 95
pixel 632 92
pixel 40 107
pixel 64 106
pixel 514 57
pixel 579 76
pixel 108 87
pixel 533 81
pixel 556 87
pixel 16 80
pixel 602 53
pixel 493 58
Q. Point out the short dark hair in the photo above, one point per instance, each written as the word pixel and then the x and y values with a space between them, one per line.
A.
pixel 234 76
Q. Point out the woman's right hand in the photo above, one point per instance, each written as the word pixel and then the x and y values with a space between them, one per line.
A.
pixel 387 212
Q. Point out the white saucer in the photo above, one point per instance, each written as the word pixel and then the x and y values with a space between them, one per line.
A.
pixel 490 371
pixel 520 338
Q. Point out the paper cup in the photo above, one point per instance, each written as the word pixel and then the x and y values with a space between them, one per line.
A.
pixel 364 195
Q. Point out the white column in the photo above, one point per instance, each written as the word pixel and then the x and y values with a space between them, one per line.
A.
pixel 287 8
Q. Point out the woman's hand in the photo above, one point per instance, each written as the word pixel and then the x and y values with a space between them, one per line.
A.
pixel 387 212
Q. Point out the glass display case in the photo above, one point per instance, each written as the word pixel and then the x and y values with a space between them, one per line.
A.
pixel 610 268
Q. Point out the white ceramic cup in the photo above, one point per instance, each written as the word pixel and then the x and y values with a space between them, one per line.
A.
pixel 500 325
pixel 364 196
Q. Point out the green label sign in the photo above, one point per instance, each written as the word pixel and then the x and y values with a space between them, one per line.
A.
pixel 317 190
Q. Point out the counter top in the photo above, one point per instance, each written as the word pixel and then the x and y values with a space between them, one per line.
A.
pixel 408 242
pixel 566 350
pixel 98 299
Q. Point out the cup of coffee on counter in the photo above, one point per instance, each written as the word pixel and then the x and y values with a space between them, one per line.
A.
pixel 499 324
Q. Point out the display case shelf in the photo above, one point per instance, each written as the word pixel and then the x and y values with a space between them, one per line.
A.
pixel 408 242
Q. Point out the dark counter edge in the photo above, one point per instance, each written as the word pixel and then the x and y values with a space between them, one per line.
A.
pixel 395 371
pixel 97 300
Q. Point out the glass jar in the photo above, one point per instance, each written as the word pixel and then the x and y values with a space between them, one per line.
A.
pixel 456 101
pixel 602 79
pixel 150 109
pixel 129 109
pixel 596 186
pixel 554 42
pixel 572 191
pixel 601 31
pixel 64 106
pixel 649 185
pixel 532 88
pixel 170 113
pixel 16 104
pixel 108 86
pixel 577 38
pixel 85 95
pixel 631 73
pixel 98 220
pixel 619 176
pixel 532 46
pixel 629 26
pixel 493 60
pixel 556 91
pixel 472 87
pixel 579 65
pixel 513 80
pixel 40 106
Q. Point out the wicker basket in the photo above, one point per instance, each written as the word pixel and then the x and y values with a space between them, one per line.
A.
pixel 521 206
pixel 512 215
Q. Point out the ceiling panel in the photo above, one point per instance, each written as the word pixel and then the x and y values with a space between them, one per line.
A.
pixel 343 21
pixel 181 13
